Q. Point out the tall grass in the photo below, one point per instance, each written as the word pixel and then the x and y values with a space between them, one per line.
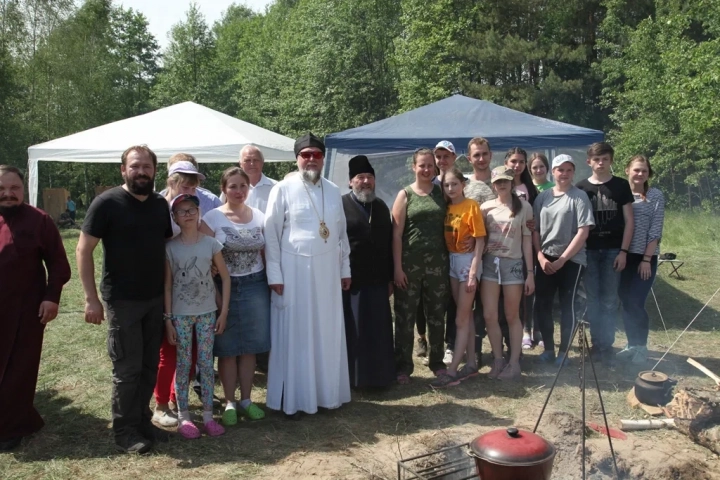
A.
pixel 693 234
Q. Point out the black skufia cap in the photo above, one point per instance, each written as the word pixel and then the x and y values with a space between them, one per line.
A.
pixel 309 140
pixel 360 164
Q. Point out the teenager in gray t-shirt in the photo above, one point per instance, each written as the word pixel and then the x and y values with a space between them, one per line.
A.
pixel 564 218
pixel 559 217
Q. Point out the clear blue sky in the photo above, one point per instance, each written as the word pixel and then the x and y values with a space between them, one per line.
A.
pixel 163 14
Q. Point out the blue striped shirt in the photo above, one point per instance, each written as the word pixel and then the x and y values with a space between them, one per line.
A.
pixel 649 215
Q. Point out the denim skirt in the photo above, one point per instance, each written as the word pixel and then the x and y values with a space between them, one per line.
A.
pixel 248 324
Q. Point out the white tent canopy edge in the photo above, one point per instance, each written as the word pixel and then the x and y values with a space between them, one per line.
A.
pixel 208 135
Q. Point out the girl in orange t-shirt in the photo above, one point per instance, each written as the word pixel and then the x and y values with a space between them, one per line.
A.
pixel 463 223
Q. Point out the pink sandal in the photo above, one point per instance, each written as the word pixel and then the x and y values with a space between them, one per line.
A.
pixel 214 429
pixel 189 430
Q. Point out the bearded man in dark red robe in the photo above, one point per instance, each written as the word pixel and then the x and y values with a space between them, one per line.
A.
pixel 28 301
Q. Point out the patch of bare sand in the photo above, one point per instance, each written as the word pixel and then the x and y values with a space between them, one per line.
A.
pixel 663 454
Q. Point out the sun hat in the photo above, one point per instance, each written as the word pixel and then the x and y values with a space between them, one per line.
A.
pixel 501 173
pixel 560 159
pixel 183 197
pixel 184 166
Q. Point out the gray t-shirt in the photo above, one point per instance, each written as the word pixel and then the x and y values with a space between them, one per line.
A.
pixel 481 192
pixel 559 218
pixel 193 290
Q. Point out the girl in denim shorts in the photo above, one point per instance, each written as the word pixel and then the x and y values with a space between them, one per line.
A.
pixel 463 222
pixel 509 245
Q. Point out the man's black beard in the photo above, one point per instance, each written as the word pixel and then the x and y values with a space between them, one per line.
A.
pixel 10 211
pixel 137 189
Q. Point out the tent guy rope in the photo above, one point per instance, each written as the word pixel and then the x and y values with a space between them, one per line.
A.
pixel 686 329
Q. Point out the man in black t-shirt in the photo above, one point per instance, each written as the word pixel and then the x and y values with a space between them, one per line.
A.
pixel 133 223
pixel 607 247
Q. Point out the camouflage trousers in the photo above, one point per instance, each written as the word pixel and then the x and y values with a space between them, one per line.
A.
pixel 428 278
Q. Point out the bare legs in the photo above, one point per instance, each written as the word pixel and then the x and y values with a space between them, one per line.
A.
pixel 490 295
pixel 246 374
pixel 234 370
pixel 465 335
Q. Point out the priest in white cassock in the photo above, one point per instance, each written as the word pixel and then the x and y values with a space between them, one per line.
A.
pixel 308 266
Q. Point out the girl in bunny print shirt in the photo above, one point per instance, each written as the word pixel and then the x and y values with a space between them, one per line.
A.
pixel 190 304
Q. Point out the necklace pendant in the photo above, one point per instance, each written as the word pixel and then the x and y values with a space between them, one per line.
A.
pixel 324 231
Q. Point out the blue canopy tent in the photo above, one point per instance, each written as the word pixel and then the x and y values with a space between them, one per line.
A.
pixel 391 142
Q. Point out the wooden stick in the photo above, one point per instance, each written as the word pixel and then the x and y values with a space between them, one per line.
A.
pixel 704 369
pixel 631 425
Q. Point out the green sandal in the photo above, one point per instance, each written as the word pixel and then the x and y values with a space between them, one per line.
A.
pixel 229 417
pixel 253 412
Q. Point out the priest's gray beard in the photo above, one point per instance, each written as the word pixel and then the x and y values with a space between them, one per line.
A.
pixel 310 175
pixel 365 195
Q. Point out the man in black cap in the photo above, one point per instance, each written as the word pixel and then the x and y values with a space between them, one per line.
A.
pixel 308 266
pixel 368 318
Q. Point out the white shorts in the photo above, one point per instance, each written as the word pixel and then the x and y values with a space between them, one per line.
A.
pixel 502 270
pixel 460 264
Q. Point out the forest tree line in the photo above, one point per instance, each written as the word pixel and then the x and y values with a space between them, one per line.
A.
pixel 647 72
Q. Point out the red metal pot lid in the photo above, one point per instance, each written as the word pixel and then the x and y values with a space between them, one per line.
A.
pixel 512 447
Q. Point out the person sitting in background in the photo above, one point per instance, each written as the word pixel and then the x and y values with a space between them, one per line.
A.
pixel 65 221
pixel 539 168
pixel 639 274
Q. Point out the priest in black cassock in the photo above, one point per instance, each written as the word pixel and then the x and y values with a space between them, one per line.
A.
pixel 368 318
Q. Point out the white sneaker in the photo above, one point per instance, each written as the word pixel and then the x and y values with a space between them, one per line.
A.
pixel 165 418
pixel 447 360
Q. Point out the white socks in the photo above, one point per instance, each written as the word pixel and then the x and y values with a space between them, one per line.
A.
pixel 230 406
pixel 184 417
pixel 207 417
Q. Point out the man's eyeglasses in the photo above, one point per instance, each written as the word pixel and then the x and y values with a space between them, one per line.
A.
pixel 184 213
pixel 315 155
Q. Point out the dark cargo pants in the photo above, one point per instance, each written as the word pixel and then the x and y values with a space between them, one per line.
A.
pixel 135 330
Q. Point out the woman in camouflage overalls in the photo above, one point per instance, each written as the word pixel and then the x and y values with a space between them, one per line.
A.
pixel 421 265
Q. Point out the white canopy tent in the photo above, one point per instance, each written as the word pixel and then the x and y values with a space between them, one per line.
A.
pixel 210 136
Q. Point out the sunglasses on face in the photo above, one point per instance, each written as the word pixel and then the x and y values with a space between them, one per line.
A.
pixel 184 213
pixel 314 155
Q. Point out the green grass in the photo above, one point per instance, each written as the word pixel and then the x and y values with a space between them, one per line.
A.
pixel 365 438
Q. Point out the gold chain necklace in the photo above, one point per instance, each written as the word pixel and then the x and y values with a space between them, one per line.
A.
pixel 323 230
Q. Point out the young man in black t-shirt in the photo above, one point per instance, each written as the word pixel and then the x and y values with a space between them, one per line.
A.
pixel 607 247
pixel 133 223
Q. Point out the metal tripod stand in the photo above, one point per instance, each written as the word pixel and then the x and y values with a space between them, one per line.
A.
pixel 581 328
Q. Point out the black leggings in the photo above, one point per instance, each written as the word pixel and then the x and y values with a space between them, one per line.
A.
pixel 565 282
